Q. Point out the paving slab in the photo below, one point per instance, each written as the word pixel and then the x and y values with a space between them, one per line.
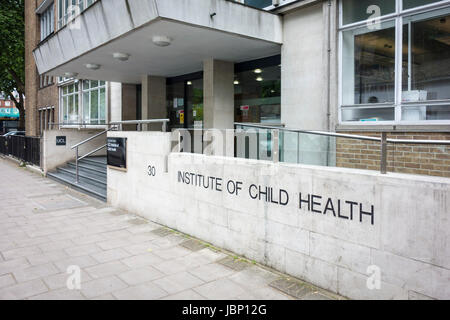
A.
pixel 56 230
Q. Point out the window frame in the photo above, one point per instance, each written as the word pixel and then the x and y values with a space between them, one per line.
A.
pixel 81 106
pixel 47 22
pixel 397 17
pixel 63 15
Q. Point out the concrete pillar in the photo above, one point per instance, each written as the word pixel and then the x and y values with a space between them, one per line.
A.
pixel 218 94
pixel 153 100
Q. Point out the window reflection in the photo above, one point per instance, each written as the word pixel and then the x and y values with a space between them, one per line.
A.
pixel 258 95
pixel 426 59
pixel 369 65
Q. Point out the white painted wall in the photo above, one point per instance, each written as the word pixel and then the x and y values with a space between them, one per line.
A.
pixel 408 241
pixel 54 156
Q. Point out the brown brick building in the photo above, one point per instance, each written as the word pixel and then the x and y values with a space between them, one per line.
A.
pixel 41 91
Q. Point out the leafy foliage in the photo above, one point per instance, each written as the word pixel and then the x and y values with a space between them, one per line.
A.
pixel 12 51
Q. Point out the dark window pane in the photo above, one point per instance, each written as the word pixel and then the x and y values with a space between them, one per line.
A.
pixel 359 10
pixel 258 3
pixel 408 4
pixel 426 59
pixel 368 114
pixel 369 66
pixel 257 95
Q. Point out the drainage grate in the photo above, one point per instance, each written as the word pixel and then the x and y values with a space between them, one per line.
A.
pixel 233 263
pixel 137 221
pixel 297 289
pixel 162 232
pixel 193 245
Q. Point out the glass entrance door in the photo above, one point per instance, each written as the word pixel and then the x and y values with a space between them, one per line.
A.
pixel 185 101
pixel 194 100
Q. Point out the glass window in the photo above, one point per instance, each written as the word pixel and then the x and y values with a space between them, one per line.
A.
pixel 70 103
pixel 257 95
pixel 258 3
pixel 360 10
pixel 369 65
pixel 371 57
pixel 408 4
pixel 69 9
pixel 94 102
pixel 364 114
pixel 47 22
pixel 92 107
pixel 426 58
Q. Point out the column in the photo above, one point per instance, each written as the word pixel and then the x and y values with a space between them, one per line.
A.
pixel 218 94
pixel 153 100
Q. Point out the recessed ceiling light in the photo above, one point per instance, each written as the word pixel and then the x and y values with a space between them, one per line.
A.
pixel 162 41
pixel 189 83
pixel 236 82
pixel 70 74
pixel 93 66
pixel 259 79
pixel 121 56
pixel 258 71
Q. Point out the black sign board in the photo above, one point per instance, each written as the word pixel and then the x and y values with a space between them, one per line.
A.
pixel 117 152
pixel 61 141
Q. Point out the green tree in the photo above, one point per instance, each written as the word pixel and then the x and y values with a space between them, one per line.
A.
pixel 12 52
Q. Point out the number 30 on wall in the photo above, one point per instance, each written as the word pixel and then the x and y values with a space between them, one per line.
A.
pixel 151 170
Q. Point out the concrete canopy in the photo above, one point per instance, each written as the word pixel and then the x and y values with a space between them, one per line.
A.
pixel 199 29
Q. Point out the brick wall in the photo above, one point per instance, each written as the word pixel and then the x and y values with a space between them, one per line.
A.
pixel 36 98
pixel 404 158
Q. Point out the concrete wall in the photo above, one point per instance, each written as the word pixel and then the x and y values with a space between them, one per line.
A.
pixel 407 240
pixel 306 68
pixel 53 156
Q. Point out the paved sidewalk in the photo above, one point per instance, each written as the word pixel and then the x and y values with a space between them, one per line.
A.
pixel 46 228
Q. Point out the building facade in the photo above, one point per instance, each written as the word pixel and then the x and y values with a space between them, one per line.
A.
pixel 348 66
pixel 345 66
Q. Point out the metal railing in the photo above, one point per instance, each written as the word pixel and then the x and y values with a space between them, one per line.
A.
pixel 77 146
pixel 383 140
pixel 27 149
pixel 116 125
pixel 140 123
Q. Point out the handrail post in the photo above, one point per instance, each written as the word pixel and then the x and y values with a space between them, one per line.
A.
pixel 164 126
pixel 383 162
pixel 276 146
pixel 76 166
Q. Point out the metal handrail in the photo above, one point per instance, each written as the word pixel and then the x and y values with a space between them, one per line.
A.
pixel 77 146
pixel 349 136
pixel 92 138
pixel 82 125
pixel 139 123
pixel 384 141
pixel 92 152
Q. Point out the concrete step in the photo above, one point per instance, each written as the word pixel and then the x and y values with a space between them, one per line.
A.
pixel 84 176
pixel 88 188
pixel 96 162
pixel 90 167
pixel 92 176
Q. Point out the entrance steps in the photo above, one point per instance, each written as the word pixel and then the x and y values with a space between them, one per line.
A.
pixel 91 173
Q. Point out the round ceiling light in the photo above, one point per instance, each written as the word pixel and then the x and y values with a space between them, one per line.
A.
pixel 162 41
pixel 236 82
pixel 121 56
pixel 93 66
pixel 189 83
pixel 258 71
pixel 259 79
